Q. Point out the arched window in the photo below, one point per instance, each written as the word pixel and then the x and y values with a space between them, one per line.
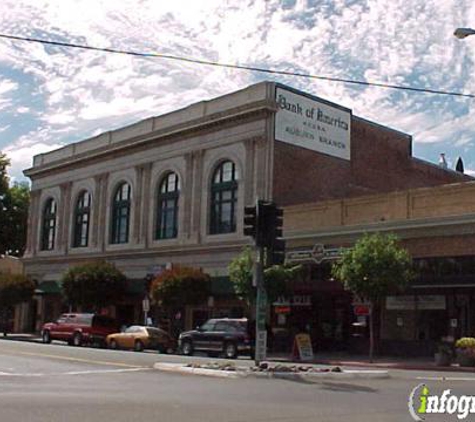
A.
pixel 82 216
pixel 167 207
pixel 48 236
pixel 223 199
pixel 121 214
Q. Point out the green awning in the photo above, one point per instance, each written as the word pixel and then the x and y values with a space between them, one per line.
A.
pixel 49 288
pixel 222 286
pixel 135 287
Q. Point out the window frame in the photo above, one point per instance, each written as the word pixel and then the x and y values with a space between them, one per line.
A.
pixel 120 214
pixel 218 189
pixel 49 225
pixel 166 223
pixel 82 220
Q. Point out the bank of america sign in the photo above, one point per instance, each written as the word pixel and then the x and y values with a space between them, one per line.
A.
pixel 312 124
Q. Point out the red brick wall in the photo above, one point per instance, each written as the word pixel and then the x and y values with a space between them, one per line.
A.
pixel 380 162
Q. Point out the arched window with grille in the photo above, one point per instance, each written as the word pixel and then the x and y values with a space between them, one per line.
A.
pixel 82 217
pixel 167 207
pixel 223 205
pixel 121 214
pixel 48 235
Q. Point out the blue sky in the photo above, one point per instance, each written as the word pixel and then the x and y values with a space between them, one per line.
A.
pixel 51 96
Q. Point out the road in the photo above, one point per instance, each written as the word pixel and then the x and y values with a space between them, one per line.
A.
pixel 60 383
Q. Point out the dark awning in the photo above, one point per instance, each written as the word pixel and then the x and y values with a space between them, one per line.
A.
pixel 48 288
pixel 222 286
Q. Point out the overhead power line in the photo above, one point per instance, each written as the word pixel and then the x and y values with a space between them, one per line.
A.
pixel 236 66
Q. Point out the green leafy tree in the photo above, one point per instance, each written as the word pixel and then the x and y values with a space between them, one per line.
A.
pixel 14 289
pixel 17 200
pixel 180 286
pixel 14 202
pixel 4 163
pixel 175 288
pixel 276 277
pixel 374 268
pixel 94 285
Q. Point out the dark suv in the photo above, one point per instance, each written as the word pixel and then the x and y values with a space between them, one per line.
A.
pixel 78 329
pixel 230 337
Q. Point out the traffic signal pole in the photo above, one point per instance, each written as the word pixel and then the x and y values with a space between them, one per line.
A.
pixel 261 308
pixel 264 222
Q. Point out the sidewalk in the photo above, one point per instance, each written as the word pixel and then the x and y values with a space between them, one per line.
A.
pixel 386 362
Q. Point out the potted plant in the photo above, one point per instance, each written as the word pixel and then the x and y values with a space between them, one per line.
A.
pixel 444 354
pixel 465 348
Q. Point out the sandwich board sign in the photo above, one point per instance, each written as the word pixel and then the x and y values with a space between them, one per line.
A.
pixel 303 347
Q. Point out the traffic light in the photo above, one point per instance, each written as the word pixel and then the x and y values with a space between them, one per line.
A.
pixel 250 222
pixel 274 241
pixel 264 223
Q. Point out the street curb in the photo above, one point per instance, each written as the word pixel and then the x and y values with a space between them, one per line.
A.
pixel 244 373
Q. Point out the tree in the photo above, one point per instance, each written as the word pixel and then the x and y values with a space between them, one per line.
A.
pixel 94 285
pixel 180 286
pixel 276 277
pixel 374 268
pixel 14 289
pixel 17 200
pixel 177 287
pixel 14 202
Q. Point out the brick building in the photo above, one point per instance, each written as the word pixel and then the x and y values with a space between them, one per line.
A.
pixel 171 189
pixel 435 225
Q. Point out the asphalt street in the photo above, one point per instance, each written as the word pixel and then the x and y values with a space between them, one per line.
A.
pixel 61 383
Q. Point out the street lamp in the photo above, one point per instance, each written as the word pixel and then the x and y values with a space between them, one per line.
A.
pixel 462 33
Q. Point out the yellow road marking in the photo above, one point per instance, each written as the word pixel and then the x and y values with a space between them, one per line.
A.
pixel 96 362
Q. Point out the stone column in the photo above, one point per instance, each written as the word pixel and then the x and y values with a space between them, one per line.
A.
pixel 64 217
pixel 249 176
pixel 196 195
pixel 101 208
pixel 34 223
pixel 146 203
pixel 186 198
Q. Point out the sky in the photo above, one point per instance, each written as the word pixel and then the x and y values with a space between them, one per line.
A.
pixel 53 96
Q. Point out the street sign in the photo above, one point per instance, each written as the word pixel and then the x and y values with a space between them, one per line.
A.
pixel 146 304
pixel 261 345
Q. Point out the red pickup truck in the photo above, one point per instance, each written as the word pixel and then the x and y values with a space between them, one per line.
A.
pixel 79 329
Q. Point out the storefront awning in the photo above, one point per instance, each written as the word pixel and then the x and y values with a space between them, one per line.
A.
pixel 48 288
pixel 222 286
pixel 135 287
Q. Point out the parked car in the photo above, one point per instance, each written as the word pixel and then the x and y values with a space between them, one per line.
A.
pixel 138 338
pixel 230 337
pixel 78 329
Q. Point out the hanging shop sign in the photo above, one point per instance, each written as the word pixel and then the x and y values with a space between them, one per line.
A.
pixel 312 123
pixel 318 254
pixel 425 302
pixel 295 300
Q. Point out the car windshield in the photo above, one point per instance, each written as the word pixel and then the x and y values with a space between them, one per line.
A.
pixel 134 329
pixel 155 332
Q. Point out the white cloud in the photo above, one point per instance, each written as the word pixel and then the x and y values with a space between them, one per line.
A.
pixel 72 93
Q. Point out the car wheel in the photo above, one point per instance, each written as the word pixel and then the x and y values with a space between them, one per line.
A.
pixel 138 346
pixel 46 337
pixel 230 351
pixel 77 339
pixel 113 345
pixel 187 348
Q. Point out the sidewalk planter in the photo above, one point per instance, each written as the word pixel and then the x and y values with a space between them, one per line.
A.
pixel 444 354
pixel 442 359
pixel 465 349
